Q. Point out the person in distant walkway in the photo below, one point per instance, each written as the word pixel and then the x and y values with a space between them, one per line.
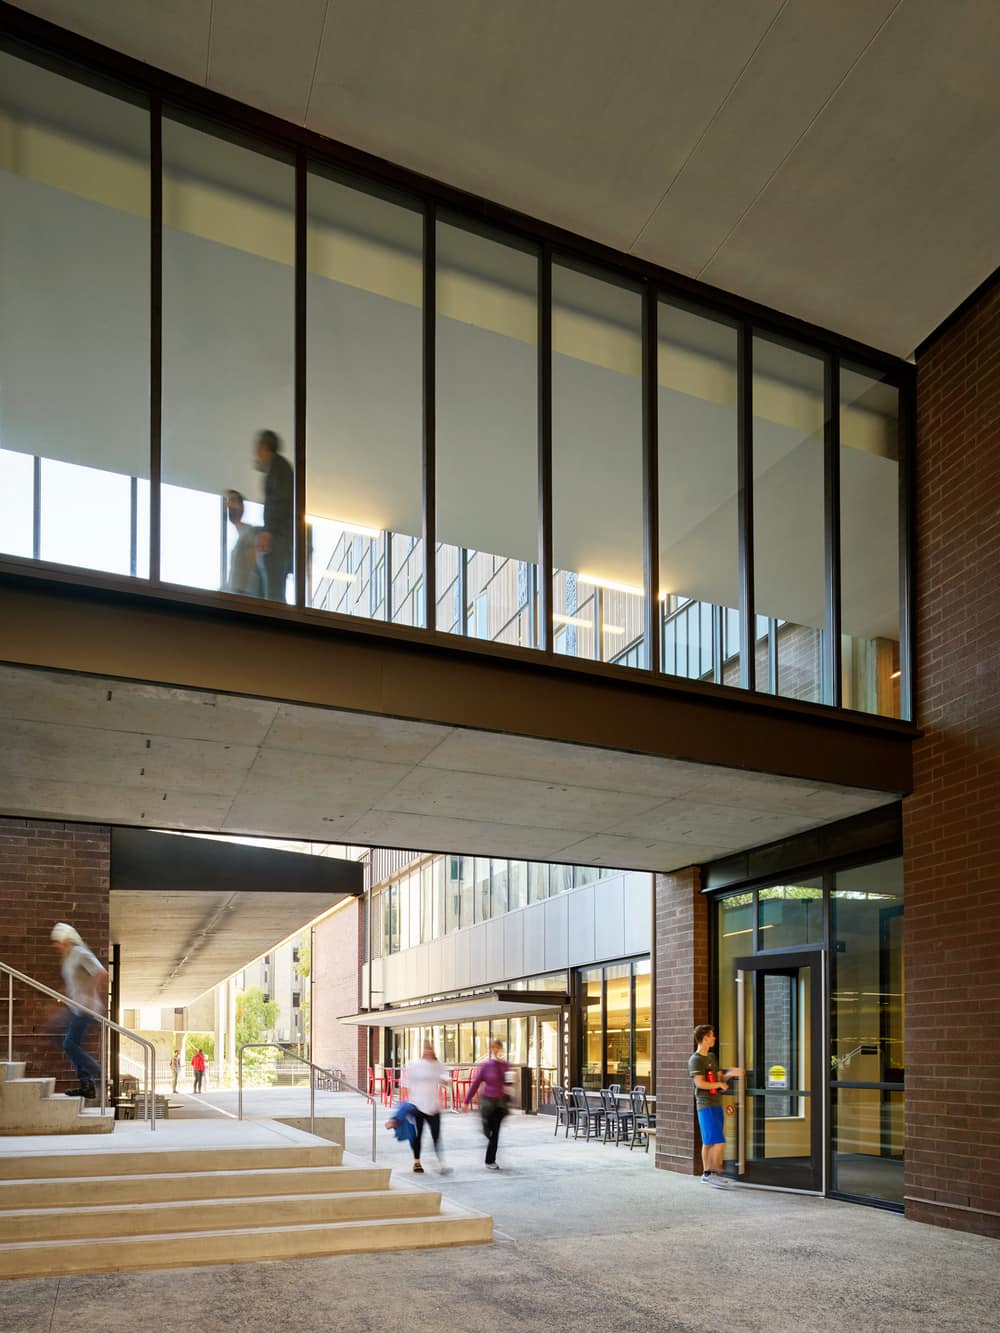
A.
pixel 423 1079
pixel 198 1065
pixel 86 983
pixel 274 542
pixel 244 571
pixel 175 1067
pixel 491 1076
pixel 709 1086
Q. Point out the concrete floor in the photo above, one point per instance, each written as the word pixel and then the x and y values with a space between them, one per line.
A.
pixel 588 1238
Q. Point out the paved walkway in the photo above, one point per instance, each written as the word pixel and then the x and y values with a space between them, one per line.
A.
pixel 589 1239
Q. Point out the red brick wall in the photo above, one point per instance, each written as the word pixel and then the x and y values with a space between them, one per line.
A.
pixel 49 872
pixel 681 1003
pixel 951 823
pixel 336 970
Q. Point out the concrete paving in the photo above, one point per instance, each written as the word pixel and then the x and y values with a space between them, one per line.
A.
pixel 588 1237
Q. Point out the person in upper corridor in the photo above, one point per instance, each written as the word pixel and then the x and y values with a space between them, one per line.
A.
pixel 244 569
pixel 86 983
pixel 491 1076
pixel 274 542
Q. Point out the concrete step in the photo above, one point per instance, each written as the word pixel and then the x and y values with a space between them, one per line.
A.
pixel 11 1069
pixel 167 1187
pixel 156 1161
pixel 144 1219
pixel 28 1107
pixel 452 1226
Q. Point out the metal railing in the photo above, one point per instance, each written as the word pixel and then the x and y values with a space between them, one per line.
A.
pixel 107 1025
pixel 331 1075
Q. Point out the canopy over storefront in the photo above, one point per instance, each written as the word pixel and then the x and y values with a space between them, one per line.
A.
pixel 467 1008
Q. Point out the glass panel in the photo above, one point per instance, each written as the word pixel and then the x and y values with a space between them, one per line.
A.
pixel 481 1040
pixel 438 926
pixel 591 1029
pixel 597 517
pixel 453 894
pixel 74 316
pixel 365 401
pixel 643 1026
pixel 517 885
pixel 517 1050
pixel 538 882
pixel 228 372
pixel 868 1143
pixel 779 1055
pixel 450 1053
pixel 699 519
pixel 869 542
pixel 788 504
pixel 866 988
pixel 486 435
pixel 426 904
pixel 468 891
pixel 482 889
pixel 791 914
pixel 618 1005
pixel 499 875
pixel 465 1044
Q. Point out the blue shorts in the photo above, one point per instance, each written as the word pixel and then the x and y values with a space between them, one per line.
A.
pixel 711 1122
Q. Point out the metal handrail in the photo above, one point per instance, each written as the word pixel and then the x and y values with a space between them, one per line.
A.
pixel 107 1025
pixel 314 1069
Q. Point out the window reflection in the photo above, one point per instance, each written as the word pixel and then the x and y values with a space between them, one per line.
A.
pixel 791 914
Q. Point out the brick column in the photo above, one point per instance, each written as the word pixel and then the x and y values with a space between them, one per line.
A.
pixel 49 872
pixel 336 975
pixel 681 1002
pixel 951 823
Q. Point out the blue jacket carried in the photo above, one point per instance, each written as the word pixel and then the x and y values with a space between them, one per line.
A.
pixel 405 1127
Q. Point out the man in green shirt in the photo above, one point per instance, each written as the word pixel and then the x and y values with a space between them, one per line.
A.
pixel 708 1089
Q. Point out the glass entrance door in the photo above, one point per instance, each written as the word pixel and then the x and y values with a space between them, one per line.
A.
pixel 779 1101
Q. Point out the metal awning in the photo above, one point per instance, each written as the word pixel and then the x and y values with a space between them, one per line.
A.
pixel 491 1004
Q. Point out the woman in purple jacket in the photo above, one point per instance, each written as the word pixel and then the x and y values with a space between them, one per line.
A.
pixel 491 1076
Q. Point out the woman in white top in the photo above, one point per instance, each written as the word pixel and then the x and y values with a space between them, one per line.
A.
pixel 423 1079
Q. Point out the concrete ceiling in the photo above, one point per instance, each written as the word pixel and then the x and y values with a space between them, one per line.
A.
pixel 176 946
pixel 89 748
pixel 833 161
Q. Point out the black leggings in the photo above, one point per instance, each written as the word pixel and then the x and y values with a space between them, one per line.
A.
pixel 434 1123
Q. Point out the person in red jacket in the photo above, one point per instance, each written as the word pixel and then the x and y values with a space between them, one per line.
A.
pixel 198 1065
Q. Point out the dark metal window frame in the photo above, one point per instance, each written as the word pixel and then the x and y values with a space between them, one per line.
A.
pixel 78 58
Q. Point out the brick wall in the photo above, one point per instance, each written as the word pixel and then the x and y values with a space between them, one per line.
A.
pixel 681 1003
pixel 336 971
pixel 49 872
pixel 951 823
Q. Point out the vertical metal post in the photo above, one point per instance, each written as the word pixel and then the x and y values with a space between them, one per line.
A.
pixel 239 1084
pixel 907 545
pixel 36 508
pixel 155 330
pixel 430 415
pixel 650 479
pixel 302 533
pixel 832 683
pixel 10 1018
pixel 104 1067
pixel 312 1098
pixel 741 1128
pixel 744 444
pixel 544 634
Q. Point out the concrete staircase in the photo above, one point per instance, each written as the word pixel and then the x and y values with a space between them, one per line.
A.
pixel 29 1106
pixel 116 1210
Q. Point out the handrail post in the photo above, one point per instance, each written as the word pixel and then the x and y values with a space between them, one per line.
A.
pixel 374 1141
pixel 10 1019
pixel 239 1083
pixel 312 1098
pixel 104 1068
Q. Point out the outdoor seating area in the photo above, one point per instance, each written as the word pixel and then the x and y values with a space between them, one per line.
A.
pixel 387 1085
pixel 606 1114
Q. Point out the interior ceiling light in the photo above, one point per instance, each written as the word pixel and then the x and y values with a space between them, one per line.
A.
pixel 614 629
pixel 597 582
pixel 580 621
pixel 894 676
pixel 347 526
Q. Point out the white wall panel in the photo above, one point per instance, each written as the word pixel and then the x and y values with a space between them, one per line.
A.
pixel 462 959
pixel 638 909
pixel 477 955
pixel 422 963
pixel 442 965
pixel 609 919
pixel 580 926
pixel 494 968
pixel 556 950
pixel 513 944
pixel 534 939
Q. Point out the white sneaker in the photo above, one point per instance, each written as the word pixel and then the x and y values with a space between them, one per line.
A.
pixel 720 1182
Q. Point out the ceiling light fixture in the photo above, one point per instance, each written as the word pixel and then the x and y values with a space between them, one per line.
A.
pixel 347 526
pixel 596 581
pixel 894 676
pixel 579 621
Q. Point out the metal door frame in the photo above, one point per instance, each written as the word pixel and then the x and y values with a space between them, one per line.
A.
pixel 785 962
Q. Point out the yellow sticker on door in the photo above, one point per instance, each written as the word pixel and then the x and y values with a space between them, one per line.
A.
pixel 777 1077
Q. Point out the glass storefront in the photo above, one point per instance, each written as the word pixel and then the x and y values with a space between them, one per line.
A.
pixel 615 1025
pixel 809 975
